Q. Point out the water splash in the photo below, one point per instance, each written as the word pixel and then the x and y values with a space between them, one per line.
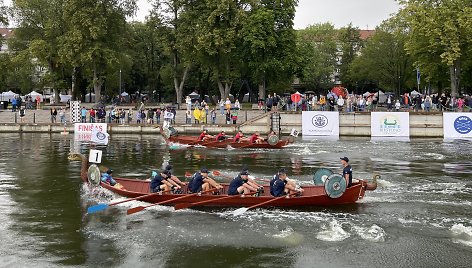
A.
pixel 333 232
pixel 374 233
pixel 462 234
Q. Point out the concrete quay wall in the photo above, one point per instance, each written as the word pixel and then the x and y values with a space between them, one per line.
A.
pixel 350 124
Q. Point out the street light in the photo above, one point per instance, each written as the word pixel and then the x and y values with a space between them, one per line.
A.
pixel 120 82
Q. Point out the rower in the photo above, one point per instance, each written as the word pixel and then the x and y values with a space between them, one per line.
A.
pixel 239 137
pixel 201 182
pixel 204 136
pixel 280 185
pixel 174 178
pixel 347 171
pixel 221 136
pixel 256 138
pixel 241 184
pixel 159 182
pixel 108 178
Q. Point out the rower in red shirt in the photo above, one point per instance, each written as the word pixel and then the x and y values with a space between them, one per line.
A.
pixel 239 137
pixel 221 136
pixel 256 138
pixel 204 136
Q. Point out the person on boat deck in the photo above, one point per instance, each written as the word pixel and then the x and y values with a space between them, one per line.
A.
pixel 174 178
pixel 347 170
pixel 239 137
pixel 256 138
pixel 241 184
pixel 281 185
pixel 201 182
pixel 221 136
pixel 204 136
pixel 108 178
pixel 159 182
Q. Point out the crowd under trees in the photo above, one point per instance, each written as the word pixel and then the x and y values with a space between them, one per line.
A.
pixel 218 47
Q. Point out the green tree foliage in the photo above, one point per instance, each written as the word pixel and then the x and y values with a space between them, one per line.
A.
pixel 350 44
pixel 3 14
pixel 318 50
pixel 384 59
pixel 441 29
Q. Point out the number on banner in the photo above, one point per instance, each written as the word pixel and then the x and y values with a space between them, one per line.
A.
pixel 95 156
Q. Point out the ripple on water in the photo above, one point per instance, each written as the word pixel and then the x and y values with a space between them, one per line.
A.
pixel 462 234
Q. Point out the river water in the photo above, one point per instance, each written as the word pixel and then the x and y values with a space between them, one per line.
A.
pixel 420 216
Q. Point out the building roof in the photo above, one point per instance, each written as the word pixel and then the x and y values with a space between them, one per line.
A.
pixel 6 32
pixel 366 34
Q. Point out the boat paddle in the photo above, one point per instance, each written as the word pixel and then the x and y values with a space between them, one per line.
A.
pixel 187 205
pixel 240 211
pixel 140 208
pixel 100 207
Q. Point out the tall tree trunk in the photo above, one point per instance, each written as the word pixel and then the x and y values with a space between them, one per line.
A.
pixel 455 71
pixel 262 90
pixel 179 85
pixel 97 84
pixel 224 88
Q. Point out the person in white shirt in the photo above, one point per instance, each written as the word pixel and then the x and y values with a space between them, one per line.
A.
pixel 397 105
pixel 340 103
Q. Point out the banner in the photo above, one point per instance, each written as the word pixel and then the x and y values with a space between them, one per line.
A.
pixel 457 125
pixel 317 123
pixel 384 124
pixel 84 131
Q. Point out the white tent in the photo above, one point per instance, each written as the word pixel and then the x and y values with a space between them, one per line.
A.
pixel 65 98
pixel 87 97
pixel 124 94
pixel 414 93
pixel 35 94
pixel 7 96
pixel 367 94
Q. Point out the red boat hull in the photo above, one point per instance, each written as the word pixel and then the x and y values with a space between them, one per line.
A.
pixel 312 196
pixel 192 140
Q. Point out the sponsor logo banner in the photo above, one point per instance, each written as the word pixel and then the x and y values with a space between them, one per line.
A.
pixel 318 123
pixel 457 125
pixel 384 124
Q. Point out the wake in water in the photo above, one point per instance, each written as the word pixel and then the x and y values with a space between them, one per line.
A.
pixel 462 234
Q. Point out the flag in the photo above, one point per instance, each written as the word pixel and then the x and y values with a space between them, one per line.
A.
pixel 418 75
pixel 99 137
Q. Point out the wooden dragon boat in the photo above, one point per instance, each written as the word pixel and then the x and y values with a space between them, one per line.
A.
pixel 329 194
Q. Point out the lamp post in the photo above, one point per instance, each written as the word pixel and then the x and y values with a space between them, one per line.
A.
pixel 120 82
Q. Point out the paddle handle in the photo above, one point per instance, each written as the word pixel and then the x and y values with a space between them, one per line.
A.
pixel 137 198
pixel 181 197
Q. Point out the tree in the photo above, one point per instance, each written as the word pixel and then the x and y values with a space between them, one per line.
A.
pixel 439 28
pixel 318 48
pixel 384 58
pixel 3 14
pixel 350 45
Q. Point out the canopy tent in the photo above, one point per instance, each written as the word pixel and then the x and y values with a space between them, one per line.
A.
pixel 309 92
pixel 414 93
pixel 7 96
pixel 194 96
pixel 35 95
pixel 339 91
pixel 89 97
pixel 65 98
pixel 124 94
pixel 367 94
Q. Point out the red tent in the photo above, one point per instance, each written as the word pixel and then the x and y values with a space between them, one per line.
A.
pixel 339 91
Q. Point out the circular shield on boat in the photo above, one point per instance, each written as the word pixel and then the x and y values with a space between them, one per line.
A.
pixel 93 175
pixel 321 175
pixel 273 140
pixel 335 186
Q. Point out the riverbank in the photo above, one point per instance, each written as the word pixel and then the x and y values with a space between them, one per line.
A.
pixel 350 124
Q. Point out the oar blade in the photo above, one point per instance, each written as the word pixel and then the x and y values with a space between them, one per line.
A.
pixel 134 210
pixel 182 206
pixel 239 211
pixel 96 208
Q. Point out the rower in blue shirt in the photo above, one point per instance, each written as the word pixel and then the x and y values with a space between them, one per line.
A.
pixel 159 182
pixel 242 185
pixel 347 171
pixel 201 182
pixel 280 185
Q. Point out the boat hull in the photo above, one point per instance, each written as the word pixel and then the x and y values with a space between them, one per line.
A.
pixel 192 140
pixel 313 196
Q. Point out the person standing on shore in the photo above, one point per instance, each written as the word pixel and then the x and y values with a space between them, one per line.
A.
pixel 22 113
pixel 53 115
pixel 62 115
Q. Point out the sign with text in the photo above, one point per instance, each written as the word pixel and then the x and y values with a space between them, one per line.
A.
pixel 318 123
pixel 95 156
pixel 457 125
pixel 395 124
pixel 84 131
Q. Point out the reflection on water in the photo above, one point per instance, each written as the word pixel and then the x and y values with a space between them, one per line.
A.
pixel 421 209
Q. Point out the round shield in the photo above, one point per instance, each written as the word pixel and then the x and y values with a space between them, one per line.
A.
pixel 321 175
pixel 172 131
pixel 273 140
pixel 335 186
pixel 93 175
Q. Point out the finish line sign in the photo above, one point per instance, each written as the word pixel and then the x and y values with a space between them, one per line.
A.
pixel 457 125
pixel 320 123
pixel 94 132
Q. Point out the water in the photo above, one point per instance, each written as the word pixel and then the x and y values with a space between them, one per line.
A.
pixel 420 216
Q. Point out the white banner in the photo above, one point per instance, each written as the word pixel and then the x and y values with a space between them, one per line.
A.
pixel 319 123
pixel 457 125
pixel 83 131
pixel 395 124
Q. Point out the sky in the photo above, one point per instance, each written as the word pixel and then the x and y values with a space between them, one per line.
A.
pixel 365 14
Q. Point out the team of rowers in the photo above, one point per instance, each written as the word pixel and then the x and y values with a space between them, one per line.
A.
pixel 243 183
pixel 239 137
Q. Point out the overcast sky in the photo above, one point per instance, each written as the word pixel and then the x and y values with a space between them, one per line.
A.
pixel 365 14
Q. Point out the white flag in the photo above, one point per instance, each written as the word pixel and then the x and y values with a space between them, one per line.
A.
pixel 99 137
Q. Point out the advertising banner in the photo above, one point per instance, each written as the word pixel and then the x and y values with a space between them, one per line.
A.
pixel 84 131
pixel 318 123
pixel 395 124
pixel 457 125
